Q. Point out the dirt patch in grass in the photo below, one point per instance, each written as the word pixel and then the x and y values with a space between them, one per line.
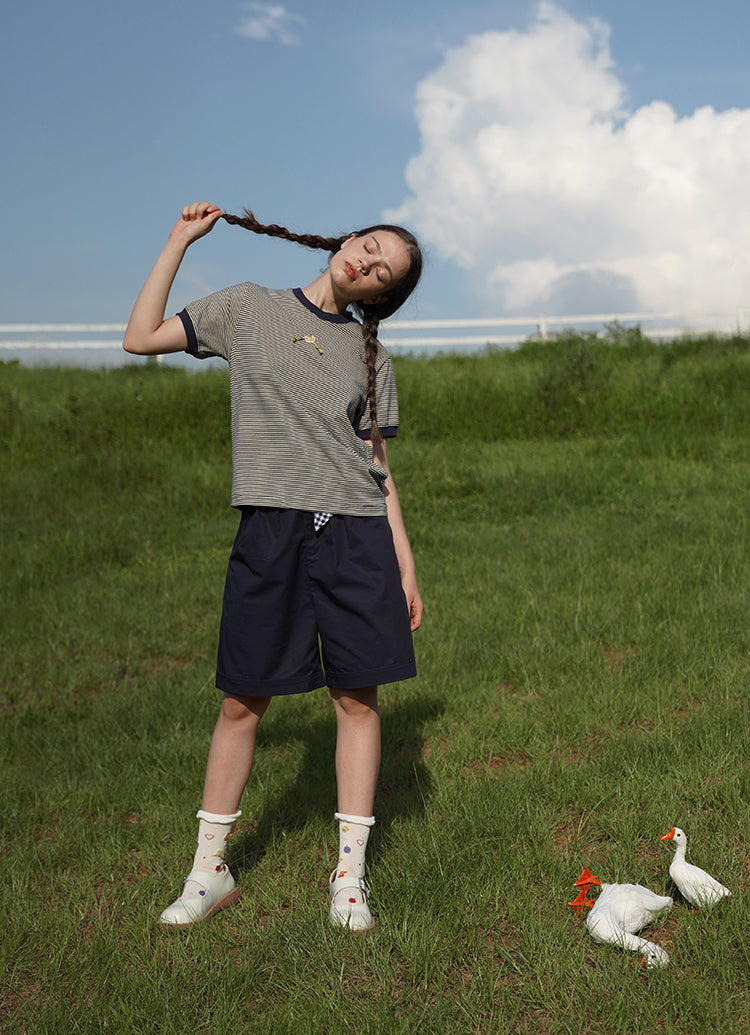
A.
pixel 574 830
pixel 518 695
pixel 615 657
pixel 492 765
pixel 687 707
pixel 162 663
pixel 434 746
pixel 19 991
pixel 588 747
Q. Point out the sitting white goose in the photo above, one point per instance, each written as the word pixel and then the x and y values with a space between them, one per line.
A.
pixel 620 911
pixel 699 888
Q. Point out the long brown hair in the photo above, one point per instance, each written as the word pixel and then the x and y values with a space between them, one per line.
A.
pixel 370 315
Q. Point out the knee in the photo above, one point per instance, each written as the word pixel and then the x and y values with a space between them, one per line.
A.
pixel 243 710
pixel 357 705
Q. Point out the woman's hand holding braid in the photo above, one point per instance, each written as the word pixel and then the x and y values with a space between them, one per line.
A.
pixel 196 221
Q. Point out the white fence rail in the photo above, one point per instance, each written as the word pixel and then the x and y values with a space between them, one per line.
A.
pixel 407 335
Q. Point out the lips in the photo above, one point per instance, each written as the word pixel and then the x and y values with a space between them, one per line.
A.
pixel 350 270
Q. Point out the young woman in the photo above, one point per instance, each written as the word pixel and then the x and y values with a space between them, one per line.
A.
pixel 321 569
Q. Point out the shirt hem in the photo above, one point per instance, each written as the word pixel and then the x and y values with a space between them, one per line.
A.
pixel 309 508
pixel 389 432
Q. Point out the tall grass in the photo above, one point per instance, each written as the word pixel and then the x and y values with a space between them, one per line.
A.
pixel 579 514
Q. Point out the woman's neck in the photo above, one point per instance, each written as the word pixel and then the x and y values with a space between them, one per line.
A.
pixel 322 295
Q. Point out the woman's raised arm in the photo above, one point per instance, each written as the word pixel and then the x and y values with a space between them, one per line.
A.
pixel 148 333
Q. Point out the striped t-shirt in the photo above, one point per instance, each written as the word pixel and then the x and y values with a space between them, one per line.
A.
pixel 299 399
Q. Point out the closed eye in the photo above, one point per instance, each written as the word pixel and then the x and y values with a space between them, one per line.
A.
pixel 383 272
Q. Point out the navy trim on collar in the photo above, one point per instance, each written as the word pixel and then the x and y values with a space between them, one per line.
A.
pixel 331 317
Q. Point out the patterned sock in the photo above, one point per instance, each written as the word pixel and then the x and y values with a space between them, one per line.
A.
pixel 213 834
pixel 354 832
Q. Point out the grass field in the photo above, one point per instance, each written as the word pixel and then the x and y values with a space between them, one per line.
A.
pixel 579 511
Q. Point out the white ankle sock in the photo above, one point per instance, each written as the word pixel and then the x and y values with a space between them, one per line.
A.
pixel 354 832
pixel 213 834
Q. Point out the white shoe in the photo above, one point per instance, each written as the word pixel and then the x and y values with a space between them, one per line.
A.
pixel 203 895
pixel 349 903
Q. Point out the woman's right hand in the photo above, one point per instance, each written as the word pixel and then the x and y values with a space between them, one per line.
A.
pixel 196 221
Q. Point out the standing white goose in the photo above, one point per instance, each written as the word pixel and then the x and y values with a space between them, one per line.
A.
pixel 699 888
pixel 620 911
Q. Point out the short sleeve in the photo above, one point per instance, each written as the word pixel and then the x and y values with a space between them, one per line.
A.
pixel 211 322
pixel 386 399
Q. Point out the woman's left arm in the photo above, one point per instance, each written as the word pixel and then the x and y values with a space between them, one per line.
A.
pixel 400 540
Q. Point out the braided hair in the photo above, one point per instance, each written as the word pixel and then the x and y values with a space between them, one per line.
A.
pixel 370 315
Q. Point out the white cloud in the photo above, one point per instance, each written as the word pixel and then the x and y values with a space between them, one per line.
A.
pixel 534 178
pixel 270 22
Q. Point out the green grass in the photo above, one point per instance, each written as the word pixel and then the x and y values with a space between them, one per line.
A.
pixel 579 514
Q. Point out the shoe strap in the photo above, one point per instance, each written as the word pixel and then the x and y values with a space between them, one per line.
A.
pixel 204 879
pixel 347 883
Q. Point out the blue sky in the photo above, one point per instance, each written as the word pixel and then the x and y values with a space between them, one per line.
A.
pixel 548 155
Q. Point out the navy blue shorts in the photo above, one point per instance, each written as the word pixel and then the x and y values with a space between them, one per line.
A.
pixel 305 609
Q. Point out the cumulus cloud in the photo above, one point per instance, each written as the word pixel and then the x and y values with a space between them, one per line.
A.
pixel 535 178
pixel 270 22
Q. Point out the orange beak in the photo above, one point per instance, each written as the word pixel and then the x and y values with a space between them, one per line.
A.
pixel 667 837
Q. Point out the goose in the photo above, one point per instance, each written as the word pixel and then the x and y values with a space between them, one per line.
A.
pixel 699 888
pixel 620 911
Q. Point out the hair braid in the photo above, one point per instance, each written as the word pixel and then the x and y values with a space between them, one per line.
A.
pixel 370 334
pixel 371 314
pixel 249 222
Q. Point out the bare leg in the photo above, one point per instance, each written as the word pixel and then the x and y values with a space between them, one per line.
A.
pixel 357 765
pixel 210 886
pixel 357 749
pixel 230 757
